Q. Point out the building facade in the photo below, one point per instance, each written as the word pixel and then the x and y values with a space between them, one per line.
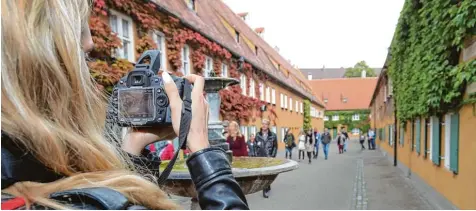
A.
pixel 204 37
pixel 346 101
pixel 439 149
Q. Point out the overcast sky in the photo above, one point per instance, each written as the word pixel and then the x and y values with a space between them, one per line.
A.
pixel 334 33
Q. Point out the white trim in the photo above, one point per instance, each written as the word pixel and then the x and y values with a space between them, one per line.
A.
pixel 268 94
pixel 447 140
pixel 273 96
pixel 243 84
pixel 335 118
pixel 290 104
pixel 208 68
pixel 159 39
pixel 224 70
pixel 355 117
pixel 186 60
pixel 126 40
pixel 326 118
pixel 297 106
pixel 261 92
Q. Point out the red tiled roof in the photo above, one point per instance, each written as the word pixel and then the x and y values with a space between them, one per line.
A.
pixel 207 20
pixel 358 92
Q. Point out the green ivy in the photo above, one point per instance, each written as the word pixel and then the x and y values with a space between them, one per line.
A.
pixel 345 118
pixel 424 64
pixel 307 115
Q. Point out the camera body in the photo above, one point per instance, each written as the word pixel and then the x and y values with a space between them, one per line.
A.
pixel 139 98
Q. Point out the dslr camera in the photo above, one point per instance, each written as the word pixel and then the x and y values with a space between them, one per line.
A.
pixel 139 98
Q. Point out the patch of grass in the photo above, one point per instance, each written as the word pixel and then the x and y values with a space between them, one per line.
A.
pixel 238 162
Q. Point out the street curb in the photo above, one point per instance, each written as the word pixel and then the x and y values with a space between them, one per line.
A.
pixel 426 192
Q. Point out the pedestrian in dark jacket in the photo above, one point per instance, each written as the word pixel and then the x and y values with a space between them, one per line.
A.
pixel 289 142
pixel 340 142
pixel 55 154
pixel 267 146
pixel 236 140
pixel 326 139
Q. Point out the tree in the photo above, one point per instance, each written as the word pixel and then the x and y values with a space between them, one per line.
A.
pixel 356 71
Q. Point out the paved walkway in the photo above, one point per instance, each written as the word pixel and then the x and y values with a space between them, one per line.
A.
pixel 357 179
pixel 354 180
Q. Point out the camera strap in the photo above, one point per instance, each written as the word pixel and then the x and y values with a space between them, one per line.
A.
pixel 185 121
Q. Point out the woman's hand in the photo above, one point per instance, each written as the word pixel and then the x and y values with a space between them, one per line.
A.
pixel 137 138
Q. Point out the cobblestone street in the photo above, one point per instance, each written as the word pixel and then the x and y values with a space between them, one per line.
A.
pixel 354 180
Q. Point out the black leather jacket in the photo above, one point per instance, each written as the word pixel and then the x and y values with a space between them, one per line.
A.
pixel 209 168
pixel 266 147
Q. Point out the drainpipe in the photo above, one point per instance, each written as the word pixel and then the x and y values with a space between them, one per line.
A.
pixel 394 131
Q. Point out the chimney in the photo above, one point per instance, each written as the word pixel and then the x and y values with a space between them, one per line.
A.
pixel 364 74
pixel 243 15
pixel 260 31
pixel 276 48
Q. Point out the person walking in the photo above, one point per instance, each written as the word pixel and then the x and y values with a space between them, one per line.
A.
pixel 301 145
pixel 267 146
pixel 251 146
pixel 289 141
pixel 346 140
pixel 340 142
pixel 309 143
pixel 317 142
pixel 326 139
pixel 362 140
pixel 236 140
pixel 371 139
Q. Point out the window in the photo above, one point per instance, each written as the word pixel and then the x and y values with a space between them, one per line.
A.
pixel 451 141
pixel 268 95
pixel 243 84
pixel 273 96
pixel 224 70
pixel 355 131
pixel 261 91
pixel 301 107
pixel 309 76
pixel 252 88
pixel 186 60
pixel 244 131
pixel 326 118
pixel 191 4
pixel 297 106
pixel 237 36
pixel 208 70
pixel 344 100
pixel 274 129
pixel 335 118
pixel 283 133
pixel 285 101
pixel 291 104
pixel 435 140
pixel 355 117
pixel 325 100
pixel 281 98
pixel 159 40
pixel 122 26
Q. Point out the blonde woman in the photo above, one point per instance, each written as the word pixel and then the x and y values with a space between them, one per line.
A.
pixel 54 154
pixel 236 140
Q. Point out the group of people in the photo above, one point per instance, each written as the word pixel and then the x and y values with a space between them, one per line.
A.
pixel 263 144
pixel 309 143
pixel 370 139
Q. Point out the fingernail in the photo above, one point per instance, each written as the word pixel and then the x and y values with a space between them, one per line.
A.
pixel 166 77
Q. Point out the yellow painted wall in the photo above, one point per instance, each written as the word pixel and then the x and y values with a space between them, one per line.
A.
pixel 459 189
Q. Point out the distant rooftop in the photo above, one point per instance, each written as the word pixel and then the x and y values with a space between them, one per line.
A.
pixel 328 73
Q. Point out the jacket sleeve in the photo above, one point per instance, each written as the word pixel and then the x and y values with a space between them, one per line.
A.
pixel 214 182
pixel 275 147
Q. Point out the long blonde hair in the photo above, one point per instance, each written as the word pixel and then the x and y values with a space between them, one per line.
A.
pixel 236 127
pixel 51 106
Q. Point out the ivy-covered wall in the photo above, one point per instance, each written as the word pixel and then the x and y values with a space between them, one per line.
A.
pixel 424 58
pixel 345 119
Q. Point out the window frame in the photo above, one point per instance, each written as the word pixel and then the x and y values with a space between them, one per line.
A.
pixel 208 67
pixel 243 84
pixel 273 96
pixel 185 54
pixel 335 119
pixel 119 32
pixel 224 70
pixel 156 36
